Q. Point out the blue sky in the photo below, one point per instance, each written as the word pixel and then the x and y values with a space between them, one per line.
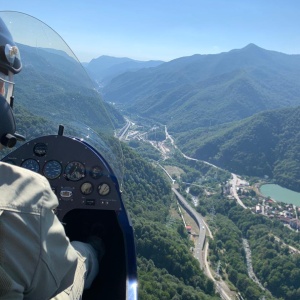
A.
pixel 167 29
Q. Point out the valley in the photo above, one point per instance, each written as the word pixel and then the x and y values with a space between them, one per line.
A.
pixel 236 184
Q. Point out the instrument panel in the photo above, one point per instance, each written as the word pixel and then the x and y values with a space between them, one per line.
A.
pixel 78 175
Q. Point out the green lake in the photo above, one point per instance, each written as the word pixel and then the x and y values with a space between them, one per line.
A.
pixel 278 193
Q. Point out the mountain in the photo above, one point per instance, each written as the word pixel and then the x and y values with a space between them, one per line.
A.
pixel 204 90
pixel 104 68
pixel 267 143
pixel 55 86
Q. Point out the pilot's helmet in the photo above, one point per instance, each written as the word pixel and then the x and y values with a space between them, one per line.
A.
pixel 10 64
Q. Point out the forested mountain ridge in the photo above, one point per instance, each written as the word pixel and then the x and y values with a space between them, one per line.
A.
pixel 44 69
pixel 204 90
pixel 267 143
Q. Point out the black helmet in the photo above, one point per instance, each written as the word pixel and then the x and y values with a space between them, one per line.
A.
pixel 9 53
pixel 10 64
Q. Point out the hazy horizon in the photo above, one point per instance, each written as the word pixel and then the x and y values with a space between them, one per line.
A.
pixel 166 30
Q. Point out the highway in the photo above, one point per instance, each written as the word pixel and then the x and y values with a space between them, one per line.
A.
pixel 200 251
pixel 124 130
pixel 202 231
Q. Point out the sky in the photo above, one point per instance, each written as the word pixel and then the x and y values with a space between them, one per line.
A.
pixel 167 29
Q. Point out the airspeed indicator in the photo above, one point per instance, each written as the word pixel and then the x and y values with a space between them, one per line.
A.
pixel 52 169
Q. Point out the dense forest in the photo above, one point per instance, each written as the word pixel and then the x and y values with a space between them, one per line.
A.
pixel 264 144
pixel 274 264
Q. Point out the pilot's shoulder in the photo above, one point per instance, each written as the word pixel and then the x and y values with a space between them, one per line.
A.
pixel 9 172
pixel 23 188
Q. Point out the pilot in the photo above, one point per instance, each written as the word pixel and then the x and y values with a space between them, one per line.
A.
pixel 37 260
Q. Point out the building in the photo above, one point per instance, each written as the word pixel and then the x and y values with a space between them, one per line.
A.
pixel 258 209
pixel 188 228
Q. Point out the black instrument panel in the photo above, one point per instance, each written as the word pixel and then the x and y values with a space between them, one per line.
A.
pixel 78 175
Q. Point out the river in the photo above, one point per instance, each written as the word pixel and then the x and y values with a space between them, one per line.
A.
pixel 280 194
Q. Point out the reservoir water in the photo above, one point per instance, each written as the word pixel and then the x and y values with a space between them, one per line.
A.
pixel 280 194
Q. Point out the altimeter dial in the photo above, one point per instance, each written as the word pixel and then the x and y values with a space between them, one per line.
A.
pixel 75 171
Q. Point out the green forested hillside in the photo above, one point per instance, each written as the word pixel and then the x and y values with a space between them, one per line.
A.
pixel 265 144
pixel 275 265
pixel 56 87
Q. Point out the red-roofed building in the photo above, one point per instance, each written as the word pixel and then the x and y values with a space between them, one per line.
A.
pixel 188 228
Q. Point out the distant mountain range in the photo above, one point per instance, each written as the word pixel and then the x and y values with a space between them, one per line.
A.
pixel 205 90
pixel 104 68
pixel 213 104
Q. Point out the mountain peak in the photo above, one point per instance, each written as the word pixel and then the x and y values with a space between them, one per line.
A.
pixel 251 46
pixel 252 51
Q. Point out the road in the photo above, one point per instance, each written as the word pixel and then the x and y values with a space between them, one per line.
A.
pixel 234 176
pixel 173 180
pixel 124 130
pixel 202 231
pixel 201 251
pixel 284 244
pixel 234 192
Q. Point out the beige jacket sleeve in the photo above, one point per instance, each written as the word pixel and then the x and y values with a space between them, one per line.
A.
pixel 37 261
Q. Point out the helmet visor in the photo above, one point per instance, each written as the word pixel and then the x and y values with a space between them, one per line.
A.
pixel 6 86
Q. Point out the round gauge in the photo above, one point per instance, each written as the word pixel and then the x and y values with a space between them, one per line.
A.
pixel 75 171
pixel 96 172
pixel 86 188
pixel 40 149
pixel 52 169
pixel 31 164
pixel 103 189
